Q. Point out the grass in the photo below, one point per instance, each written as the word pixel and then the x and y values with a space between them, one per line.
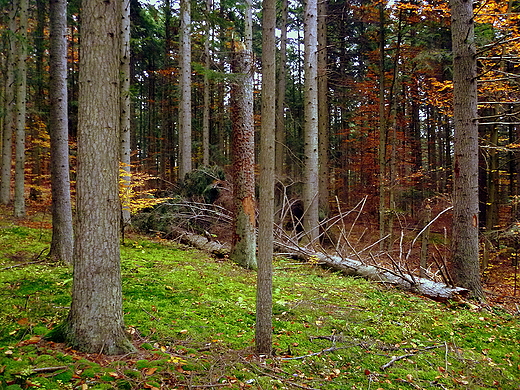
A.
pixel 192 317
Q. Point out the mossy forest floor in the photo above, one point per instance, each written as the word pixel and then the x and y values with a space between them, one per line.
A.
pixel 192 318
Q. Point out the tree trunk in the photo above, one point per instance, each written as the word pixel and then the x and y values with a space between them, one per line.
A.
pixel 280 99
pixel 323 111
pixel 206 109
pixel 263 334
pixel 21 105
pixel 465 173
pixel 10 101
pixel 95 321
pixel 244 238
pixel 310 190
pixel 62 227
pixel 125 111
pixel 185 87
pixel 383 134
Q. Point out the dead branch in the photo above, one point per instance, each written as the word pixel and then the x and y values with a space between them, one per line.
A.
pixel 397 358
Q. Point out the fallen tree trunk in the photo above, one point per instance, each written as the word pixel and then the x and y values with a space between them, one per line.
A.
pixel 422 286
pixel 200 242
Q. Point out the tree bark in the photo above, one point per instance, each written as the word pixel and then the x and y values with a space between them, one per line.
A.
pixel 62 242
pixel 263 333
pixel 323 111
pixel 185 87
pixel 280 99
pixel 125 111
pixel 95 321
pixel 10 101
pixel 465 173
pixel 244 238
pixel 21 108
pixel 206 109
pixel 311 186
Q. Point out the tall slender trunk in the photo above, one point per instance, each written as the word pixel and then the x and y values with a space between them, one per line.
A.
pixel 125 111
pixel 185 87
pixel 383 132
pixel 244 240
pixel 62 228
pixel 206 104
pixel 311 186
pixel 21 108
pixel 323 111
pixel 280 91
pixel 263 333
pixel 10 102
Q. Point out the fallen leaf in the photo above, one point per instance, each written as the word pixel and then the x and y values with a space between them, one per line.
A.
pixel 151 370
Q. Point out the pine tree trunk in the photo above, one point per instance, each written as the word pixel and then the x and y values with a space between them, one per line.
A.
pixel 311 185
pixel 62 228
pixel 465 173
pixel 185 87
pixel 244 240
pixel 263 334
pixel 95 322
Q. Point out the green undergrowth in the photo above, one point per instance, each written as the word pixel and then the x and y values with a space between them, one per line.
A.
pixel 192 317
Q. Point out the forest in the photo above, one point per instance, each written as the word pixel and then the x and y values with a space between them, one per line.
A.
pixel 373 138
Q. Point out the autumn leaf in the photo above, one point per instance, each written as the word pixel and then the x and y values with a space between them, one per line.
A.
pixel 151 371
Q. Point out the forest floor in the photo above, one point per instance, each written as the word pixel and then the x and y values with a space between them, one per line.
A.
pixel 191 317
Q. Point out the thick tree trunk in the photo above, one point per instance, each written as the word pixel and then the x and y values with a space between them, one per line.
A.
pixel 62 231
pixel 95 322
pixel 185 87
pixel 263 334
pixel 311 185
pixel 465 173
pixel 244 239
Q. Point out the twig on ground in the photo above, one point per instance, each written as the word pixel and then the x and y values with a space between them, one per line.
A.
pixel 49 369
pixel 397 358
pixel 331 349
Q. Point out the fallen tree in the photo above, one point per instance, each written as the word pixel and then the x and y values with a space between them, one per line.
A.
pixel 426 287
pixel 406 281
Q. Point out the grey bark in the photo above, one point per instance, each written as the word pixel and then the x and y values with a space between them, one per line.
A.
pixel 206 110
pixel 21 108
pixel 62 242
pixel 185 87
pixel 311 185
pixel 465 243
pixel 10 102
pixel 95 321
pixel 125 110
pixel 263 331
pixel 280 100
